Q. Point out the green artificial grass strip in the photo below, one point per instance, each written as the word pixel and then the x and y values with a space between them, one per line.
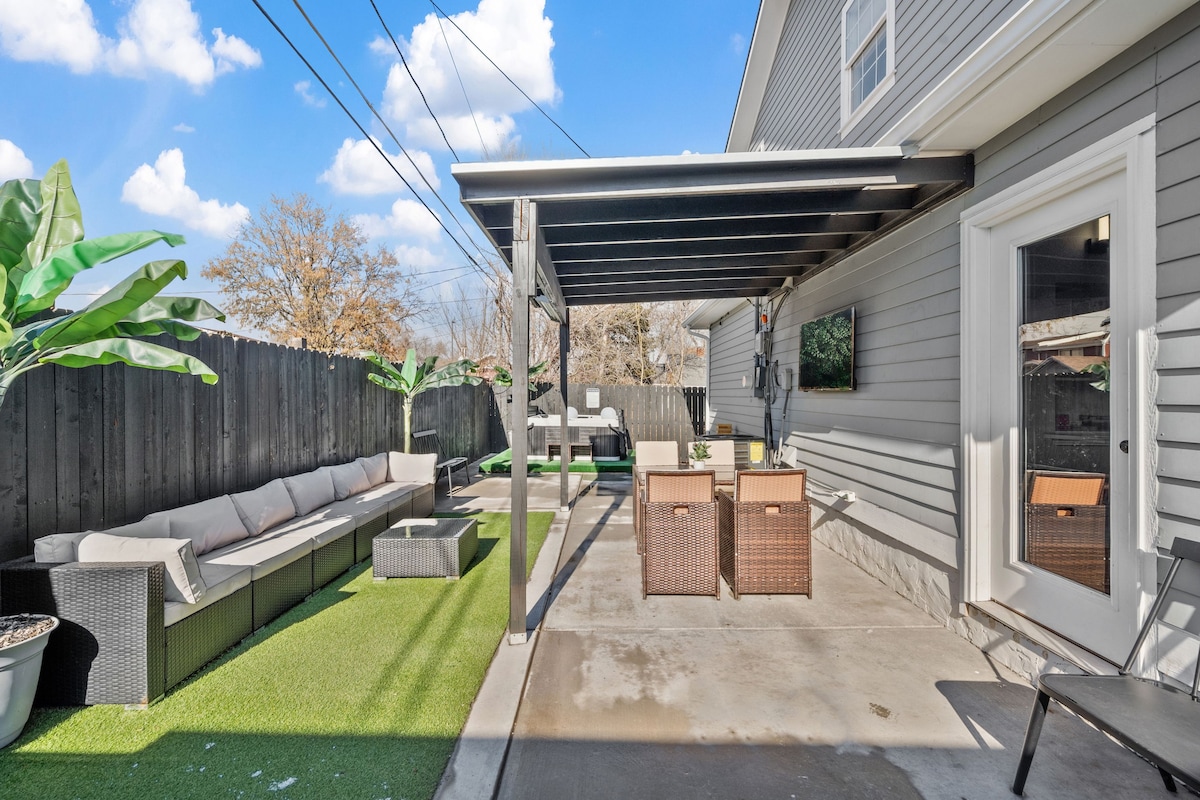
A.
pixel 359 692
pixel 501 463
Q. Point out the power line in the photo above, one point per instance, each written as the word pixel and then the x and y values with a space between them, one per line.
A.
pixel 367 136
pixel 510 80
pixel 462 86
pixel 386 127
pixel 404 61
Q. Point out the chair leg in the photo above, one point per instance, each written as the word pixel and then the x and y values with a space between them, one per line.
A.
pixel 1168 781
pixel 449 481
pixel 1036 717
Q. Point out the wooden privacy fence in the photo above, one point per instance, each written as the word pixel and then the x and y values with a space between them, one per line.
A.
pixel 657 413
pixel 87 449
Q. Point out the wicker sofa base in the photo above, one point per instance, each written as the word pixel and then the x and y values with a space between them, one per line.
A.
pixel 366 532
pixel 332 559
pixel 198 638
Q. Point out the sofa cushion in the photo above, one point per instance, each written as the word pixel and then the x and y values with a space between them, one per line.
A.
pixel 183 584
pixel 320 527
pixel 372 503
pixel 412 467
pixel 349 480
pixel 220 580
pixel 58 548
pixel 310 490
pixel 209 524
pixel 154 526
pixel 375 467
pixel 264 507
pixel 263 554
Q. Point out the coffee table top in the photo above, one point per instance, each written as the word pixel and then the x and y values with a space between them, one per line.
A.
pixel 432 528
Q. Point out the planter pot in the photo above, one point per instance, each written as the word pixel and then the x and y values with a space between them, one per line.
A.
pixel 697 465
pixel 20 666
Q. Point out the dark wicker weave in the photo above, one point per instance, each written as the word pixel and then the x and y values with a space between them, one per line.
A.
pixel 766 545
pixel 444 552
pixel 108 647
pixel 679 528
pixel 1067 532
pixel 367 531
pixel 203 635
pixel 422 501
pixel 282 589
pixel 332 559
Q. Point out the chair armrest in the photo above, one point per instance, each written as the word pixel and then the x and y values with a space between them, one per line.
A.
pixel 110 645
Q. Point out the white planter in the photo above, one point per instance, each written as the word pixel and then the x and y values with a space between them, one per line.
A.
pixel 697 465
pixel 20 667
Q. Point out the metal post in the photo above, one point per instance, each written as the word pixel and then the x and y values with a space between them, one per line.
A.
pixel 564 346
pixel 524 264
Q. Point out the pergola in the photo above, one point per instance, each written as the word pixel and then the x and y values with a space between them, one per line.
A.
pixel 636 230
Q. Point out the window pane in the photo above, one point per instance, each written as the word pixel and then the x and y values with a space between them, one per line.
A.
pixel 1065 403
pixel 861 18
pixel 869 70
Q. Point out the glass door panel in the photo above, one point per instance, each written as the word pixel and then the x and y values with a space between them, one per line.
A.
pixel 1065 409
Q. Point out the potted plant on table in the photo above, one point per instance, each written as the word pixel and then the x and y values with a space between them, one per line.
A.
pixel 699 454
pixel 23 637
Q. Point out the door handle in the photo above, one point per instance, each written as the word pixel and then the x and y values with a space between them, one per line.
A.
pixel 1124 445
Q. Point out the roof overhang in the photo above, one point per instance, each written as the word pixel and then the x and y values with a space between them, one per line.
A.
pixel 629 230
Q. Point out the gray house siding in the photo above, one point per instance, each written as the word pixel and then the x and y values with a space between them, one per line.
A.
pixel 895 441
pixel 802 105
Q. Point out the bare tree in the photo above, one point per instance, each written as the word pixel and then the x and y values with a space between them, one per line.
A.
pixel 295 271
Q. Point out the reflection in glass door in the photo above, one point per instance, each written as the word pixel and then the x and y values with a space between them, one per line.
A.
pixel 1064 341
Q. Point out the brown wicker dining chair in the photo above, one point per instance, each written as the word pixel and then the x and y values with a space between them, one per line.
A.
pixel 649 454
pixel 679 528
pixel 1066 526
pixel 766 545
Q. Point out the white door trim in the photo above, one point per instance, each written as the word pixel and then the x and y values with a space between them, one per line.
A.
pixel 1130 151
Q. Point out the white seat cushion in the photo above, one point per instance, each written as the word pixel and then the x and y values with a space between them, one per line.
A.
pixel 320 527
pixel 310 490
pixel 412 467
pixel 264 554
pixel 371 503
pixel 375 466
pixel 221 581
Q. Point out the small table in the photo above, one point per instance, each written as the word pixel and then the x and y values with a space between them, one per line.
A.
pixel 424 548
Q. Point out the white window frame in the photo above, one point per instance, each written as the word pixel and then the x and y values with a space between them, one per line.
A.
pixel 852 116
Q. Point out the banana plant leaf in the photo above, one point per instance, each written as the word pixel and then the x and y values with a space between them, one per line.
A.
pixel 192 309
pixel 113 306
pixel 61 221
pixel 48 279
pixel 133 353
pixel 18 219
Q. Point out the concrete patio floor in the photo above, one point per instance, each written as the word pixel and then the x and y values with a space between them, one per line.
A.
pixel 854 693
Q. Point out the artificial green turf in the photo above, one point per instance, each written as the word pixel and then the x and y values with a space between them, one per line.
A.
pixel 502 463
pixel 359 692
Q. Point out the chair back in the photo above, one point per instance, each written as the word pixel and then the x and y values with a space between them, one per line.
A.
pixel 720 453
pixel 1066 489
pixel 656 454
pixel 608 412
pixel 694 486
pixel 777 485
pixel 1177 608
pixel 572 412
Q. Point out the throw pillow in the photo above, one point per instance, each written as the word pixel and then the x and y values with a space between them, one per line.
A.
pixel 412 467
pixel 183 582
pixel 58 548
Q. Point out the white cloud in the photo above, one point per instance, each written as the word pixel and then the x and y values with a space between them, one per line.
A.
pixel 514 33
pixel 358 169
pixel 407 218
pixel 417 258
pixel 737 43
pixel 162 190
pixel 13 162
pixel 183 127
pixel 303 88
pixel 156 35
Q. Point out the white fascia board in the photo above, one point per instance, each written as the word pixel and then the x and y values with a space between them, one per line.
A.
pixel 711 311
pixel 764 45
pixel 1044 48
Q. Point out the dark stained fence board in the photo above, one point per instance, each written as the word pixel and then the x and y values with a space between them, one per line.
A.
pixel 100 447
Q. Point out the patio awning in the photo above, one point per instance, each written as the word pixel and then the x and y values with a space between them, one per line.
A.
pixel 631 230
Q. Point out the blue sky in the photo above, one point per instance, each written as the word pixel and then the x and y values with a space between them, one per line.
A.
pixel 185 116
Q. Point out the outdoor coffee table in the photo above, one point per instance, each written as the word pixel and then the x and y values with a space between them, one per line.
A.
pixel 424 548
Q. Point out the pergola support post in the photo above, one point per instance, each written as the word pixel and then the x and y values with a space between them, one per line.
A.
pixel 564 347
pixel 524 265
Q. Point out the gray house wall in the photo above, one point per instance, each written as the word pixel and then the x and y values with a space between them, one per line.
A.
pixel 895 441
pixel 802 105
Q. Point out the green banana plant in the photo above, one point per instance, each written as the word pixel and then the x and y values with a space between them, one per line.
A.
pixel 415 376
pixel 504 375
pixel 42 249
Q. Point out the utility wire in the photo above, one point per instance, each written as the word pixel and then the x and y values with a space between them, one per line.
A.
pixel 461 85
pixel 404 61
pixel 386 127
pixel 367 136
pixel 510 80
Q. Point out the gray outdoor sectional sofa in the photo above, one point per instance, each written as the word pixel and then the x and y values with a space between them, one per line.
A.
pixel 145 605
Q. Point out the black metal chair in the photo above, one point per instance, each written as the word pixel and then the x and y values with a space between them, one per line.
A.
pixel 1159 722
pixel 430 443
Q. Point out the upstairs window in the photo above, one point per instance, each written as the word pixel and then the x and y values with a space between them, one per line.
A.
pixel 868 56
